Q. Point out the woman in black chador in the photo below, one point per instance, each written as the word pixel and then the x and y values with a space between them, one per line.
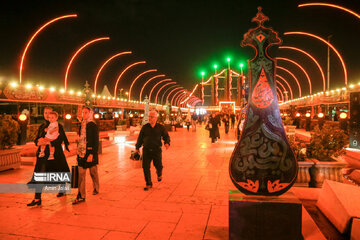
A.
pixel 213 127
pixel 226 123
pixel 57 163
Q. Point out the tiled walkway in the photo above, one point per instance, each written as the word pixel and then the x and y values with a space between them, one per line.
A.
pixel 190 203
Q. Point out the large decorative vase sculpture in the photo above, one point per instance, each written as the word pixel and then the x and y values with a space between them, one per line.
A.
pixel 167 113
pixel 179 116
pixel 262 162
pixel 146 112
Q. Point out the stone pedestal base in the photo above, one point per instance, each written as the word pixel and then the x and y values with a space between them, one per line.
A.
pixel 339 202
pixel 260 217
pixel 355 229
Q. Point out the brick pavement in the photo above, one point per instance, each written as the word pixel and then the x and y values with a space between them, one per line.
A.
pixel 190 203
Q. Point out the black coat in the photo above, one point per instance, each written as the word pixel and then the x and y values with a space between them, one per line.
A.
pixel 92 145
pixel 214 130
pixel 57 165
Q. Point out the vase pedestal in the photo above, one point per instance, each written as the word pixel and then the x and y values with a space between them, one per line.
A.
pixel 263 217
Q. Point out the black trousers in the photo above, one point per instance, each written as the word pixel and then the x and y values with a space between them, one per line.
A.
pixel 46 166
pixel 148 156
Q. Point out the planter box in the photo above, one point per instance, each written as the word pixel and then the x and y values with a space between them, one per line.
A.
pixel 327 170
pixel 10 158
pixel 303 177
pixel 71 136
pixel 290 129
pixel 121 128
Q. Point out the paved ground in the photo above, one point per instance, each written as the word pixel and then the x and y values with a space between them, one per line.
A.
pixel 190 203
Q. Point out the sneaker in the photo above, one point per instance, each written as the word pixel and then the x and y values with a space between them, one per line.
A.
pixel 147 187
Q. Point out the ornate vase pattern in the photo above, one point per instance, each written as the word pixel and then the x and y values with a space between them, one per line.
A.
pixel 262 162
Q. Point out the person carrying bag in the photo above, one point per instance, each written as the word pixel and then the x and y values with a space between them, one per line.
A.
pixel 87 154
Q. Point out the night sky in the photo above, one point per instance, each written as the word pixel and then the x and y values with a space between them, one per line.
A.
pixel 179 38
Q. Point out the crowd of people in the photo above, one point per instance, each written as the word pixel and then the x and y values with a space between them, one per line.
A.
pixel 215 120
pixel 51 136
pixel 50 155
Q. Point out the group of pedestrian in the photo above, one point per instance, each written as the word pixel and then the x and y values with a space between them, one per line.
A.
pixel 214 121
pixel 50 156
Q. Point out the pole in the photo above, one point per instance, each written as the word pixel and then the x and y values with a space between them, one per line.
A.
pixel 328 74
pixel 202 89
pixel 328 64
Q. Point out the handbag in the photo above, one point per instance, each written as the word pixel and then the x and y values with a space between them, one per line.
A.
pixel 137 159
pixel 75 176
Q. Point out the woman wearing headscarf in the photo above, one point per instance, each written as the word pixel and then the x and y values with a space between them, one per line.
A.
pixel 44 164
pixel 213 127
pixel 87 154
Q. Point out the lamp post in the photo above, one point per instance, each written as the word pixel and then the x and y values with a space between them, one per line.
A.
pixel 228 82
pixel 297 120
pixel 242 86
pixel 67 122
pixel 215 67
pixel 202 87
pixel 343 122
pixel 308 121
pixel 321 120
pixel 116 119
pixel 23 122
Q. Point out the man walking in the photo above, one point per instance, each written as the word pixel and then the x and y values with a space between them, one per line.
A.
pixel 150 138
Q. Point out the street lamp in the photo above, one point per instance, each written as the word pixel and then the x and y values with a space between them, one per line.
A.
pixel 307 121
pixel 321 120
pixel 23 122
pixel 116 119
pixel 67 122
pixel 228 60
pixel 215 67
pixel 297 119
pixel 343 121
pixel 202 87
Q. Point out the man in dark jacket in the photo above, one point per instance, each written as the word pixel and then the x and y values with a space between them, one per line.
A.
pixel 150 137
pixel 87 154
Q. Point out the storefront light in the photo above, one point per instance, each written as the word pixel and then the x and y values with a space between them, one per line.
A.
pixel 22 117
pixel 320 115
pixel 343 115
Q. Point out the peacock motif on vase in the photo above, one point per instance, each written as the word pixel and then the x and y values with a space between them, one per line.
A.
pixel 262 162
